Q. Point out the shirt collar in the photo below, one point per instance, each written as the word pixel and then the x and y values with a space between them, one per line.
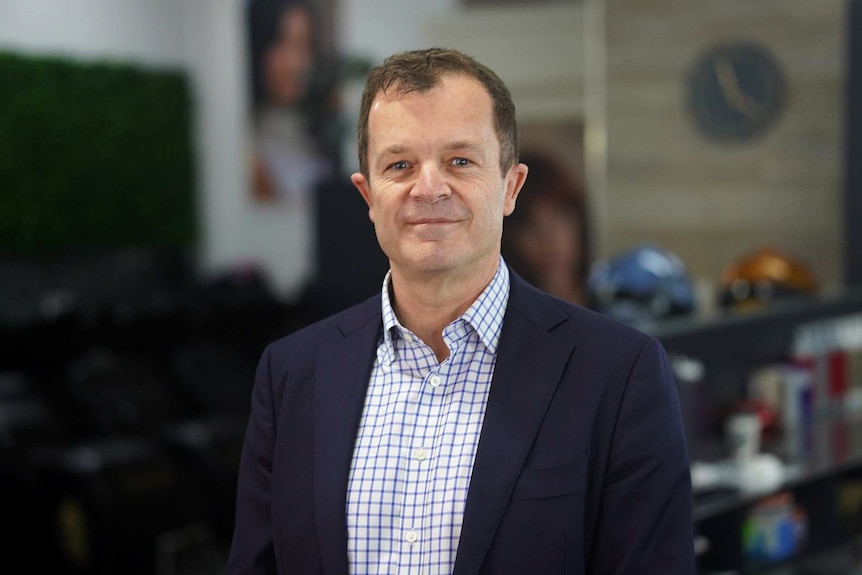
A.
pixel 485 314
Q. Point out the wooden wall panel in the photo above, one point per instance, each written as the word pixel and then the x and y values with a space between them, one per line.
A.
pixel 536 50
pixel 712 203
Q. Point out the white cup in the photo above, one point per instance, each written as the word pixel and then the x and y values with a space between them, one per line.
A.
pixel 743 435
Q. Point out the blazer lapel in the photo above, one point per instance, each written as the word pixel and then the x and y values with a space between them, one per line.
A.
pixel 343 367
pixel 530 362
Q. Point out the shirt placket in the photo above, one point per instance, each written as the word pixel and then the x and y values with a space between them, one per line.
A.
pixel 418 453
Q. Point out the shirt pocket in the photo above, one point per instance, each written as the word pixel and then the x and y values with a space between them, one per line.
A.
pixel 549 482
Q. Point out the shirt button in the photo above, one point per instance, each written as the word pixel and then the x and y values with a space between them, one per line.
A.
pixel 408 338
pixel 421 453
pixel 435 380
pixel 411 536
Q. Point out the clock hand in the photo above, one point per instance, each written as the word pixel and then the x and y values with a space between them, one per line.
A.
pixel 729 84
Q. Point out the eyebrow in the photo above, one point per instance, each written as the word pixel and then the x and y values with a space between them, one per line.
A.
pixel 469 145
pixel 456 146
pixel 393 150
pixel 388 152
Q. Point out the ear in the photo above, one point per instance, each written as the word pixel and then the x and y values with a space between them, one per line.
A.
pixel 514 182
pixel 361 183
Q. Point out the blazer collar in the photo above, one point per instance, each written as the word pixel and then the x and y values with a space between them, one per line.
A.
pixel 529 366
pixel 343 367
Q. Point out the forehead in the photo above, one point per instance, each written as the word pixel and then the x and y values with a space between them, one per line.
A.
pixel 456 101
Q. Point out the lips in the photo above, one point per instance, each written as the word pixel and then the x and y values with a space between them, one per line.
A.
pixel 420 218
pixel 428 216
pixel 431 221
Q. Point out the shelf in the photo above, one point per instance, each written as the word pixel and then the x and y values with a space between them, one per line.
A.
pixel 826 484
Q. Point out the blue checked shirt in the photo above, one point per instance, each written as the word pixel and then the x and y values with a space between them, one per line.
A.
pixel 417 440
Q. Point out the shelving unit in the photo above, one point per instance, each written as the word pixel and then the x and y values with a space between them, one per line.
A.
pixel 825 482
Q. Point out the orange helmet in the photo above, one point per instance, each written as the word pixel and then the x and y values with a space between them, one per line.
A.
pixel 763 276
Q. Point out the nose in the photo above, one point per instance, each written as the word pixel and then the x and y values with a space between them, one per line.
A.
pixel 431 185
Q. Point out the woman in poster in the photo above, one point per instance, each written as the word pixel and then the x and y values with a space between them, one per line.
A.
pixel 288 160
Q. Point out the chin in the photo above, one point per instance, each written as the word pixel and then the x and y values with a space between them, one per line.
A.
pixel 434 265
pixel 432 262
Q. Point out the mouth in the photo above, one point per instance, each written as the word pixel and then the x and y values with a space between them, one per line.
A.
pixel 432 229
pixel 431 221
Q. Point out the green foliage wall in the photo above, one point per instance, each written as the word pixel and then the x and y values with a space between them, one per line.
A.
pixel 94 157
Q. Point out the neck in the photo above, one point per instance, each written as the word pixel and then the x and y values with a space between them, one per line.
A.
pixel 426 305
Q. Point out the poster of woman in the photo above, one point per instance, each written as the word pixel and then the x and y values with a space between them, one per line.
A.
pixel 289 100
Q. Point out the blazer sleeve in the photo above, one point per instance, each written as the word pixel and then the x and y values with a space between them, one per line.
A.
pixel 252 551
pixel 645 512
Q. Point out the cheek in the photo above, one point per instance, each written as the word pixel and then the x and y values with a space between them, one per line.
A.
pixel 376 199
pixel 496 204
pixel 383 210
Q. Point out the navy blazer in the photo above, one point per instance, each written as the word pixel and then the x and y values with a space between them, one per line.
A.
pixel 581 466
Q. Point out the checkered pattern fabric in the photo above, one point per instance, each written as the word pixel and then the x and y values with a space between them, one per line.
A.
pixel 417 440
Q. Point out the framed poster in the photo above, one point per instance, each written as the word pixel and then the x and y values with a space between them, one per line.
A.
pixel 293 99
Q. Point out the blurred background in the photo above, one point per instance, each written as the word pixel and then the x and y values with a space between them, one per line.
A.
pixel 174 194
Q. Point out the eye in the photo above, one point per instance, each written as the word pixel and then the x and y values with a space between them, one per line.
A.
pixel 399 166
pixel 462 162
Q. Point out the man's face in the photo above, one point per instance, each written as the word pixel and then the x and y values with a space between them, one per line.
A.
pixel 435 192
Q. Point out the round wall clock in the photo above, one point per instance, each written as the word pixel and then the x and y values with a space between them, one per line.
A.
pixel 735 91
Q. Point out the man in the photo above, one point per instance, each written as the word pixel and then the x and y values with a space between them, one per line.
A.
pixel 462 421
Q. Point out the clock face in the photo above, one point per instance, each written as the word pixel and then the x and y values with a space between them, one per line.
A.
pixel 736 91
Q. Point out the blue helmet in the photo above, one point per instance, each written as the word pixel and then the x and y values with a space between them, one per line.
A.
pixel 644 284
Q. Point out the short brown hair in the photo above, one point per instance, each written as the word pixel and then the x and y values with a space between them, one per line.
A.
pixel 422 70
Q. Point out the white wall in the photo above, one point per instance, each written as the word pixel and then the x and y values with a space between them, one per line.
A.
pixel 148 32
pixel 206 38
pixel 377 28
pixel 215 58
